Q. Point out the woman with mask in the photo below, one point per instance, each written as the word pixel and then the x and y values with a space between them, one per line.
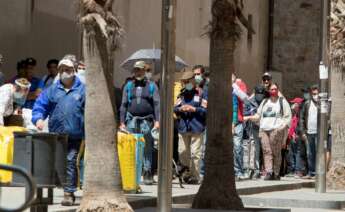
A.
pixel 274 115
pixel 64 103
pixel 190 109
pixel 13 98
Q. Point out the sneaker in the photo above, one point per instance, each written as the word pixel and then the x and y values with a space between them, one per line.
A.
pixel 269 176
pixel 307 177
pixel 68 199
pixel 276 177
pixel 244 176
pixel 290 174
pixel 298 175
pixel 148 178
pixel 256 176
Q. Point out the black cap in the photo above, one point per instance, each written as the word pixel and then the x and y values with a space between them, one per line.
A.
pixel 267 75
pixel 31 61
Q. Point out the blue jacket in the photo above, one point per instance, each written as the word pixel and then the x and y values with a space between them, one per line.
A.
pixel 191 122
pixel 65 109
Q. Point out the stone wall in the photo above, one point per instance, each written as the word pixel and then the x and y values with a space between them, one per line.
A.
pixel 48 30
pixel 296 37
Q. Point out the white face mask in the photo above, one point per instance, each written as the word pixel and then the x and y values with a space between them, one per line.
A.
pixel 315 98
pixel 148 75
pixel 81 72
pixel 65 77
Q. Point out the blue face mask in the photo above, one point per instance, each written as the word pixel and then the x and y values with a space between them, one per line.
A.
pixel 198 79
pixel 189 86
pixel 19 98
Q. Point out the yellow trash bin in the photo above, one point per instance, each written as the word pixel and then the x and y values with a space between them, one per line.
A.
pixel 6 150
pixel 127 151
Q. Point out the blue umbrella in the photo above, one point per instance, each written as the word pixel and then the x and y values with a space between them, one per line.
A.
pixel 152 57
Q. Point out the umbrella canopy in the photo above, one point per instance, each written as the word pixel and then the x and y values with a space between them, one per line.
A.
pixel 152 57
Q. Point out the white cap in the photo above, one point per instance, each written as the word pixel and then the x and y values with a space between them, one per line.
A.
pixel 66 62
pixel 139 64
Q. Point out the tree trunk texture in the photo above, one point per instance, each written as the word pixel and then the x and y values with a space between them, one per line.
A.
pixel 336 174
pixel 218 190
pixel 102 186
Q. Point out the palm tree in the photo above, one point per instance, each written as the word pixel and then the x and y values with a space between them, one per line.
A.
pixel 103 189
pixel 218 190
pixel 337 33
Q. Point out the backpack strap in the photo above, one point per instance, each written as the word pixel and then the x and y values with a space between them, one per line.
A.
pixel 129 91
pixel 265 101
pixel 151 88
pixel 281 106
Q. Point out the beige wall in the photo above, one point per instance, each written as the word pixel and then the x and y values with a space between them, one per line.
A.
pixel 54 33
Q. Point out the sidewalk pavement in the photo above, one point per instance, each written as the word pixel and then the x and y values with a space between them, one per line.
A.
pixel 15 196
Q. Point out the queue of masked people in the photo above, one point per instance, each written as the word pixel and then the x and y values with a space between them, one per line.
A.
pixel 267 132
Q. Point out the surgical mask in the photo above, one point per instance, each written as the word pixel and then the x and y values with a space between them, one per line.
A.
pixel 19 98
pixel 189 86
pixel 139 78
pixel 81 75
pixel 65 77
pixel 81 72
pixel 148 75
pixel 198 79
pixel 315 98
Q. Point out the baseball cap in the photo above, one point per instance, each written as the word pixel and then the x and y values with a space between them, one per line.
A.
pixel 139 64
pixel 297 100
pixel 31 61
pixel 267 75
pixel 187 75
pixel 66 62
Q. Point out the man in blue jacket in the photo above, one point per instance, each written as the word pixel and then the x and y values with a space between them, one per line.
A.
pixel 64 103
pixel 190 109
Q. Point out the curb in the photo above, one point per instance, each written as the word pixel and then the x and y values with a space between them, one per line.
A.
pixel 137 202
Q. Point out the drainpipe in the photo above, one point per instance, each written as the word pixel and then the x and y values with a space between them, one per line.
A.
pixel 270 36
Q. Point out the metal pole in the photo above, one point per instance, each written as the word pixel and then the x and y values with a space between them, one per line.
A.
pixel 166 119
pixel 320 185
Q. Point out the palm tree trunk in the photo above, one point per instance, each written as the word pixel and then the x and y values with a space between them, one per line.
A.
pixel 218 190
pixel 336 175
pixel 102 187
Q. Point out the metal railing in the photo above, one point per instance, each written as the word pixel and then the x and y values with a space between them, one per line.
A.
pixel 31 192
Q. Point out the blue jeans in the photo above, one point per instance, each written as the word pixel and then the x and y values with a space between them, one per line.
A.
pixel 311 153
pixel 257 151
pixel 238 149
pixel 143 126
pixel 295 156
pixel 71 166
pixel 202 163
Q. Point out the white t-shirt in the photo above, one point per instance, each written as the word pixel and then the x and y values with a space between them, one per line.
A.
pixel 6 102
pixel 270 116
pixel 312 119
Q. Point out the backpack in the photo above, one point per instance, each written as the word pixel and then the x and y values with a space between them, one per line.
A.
pixel 280 103
pixel 129 90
